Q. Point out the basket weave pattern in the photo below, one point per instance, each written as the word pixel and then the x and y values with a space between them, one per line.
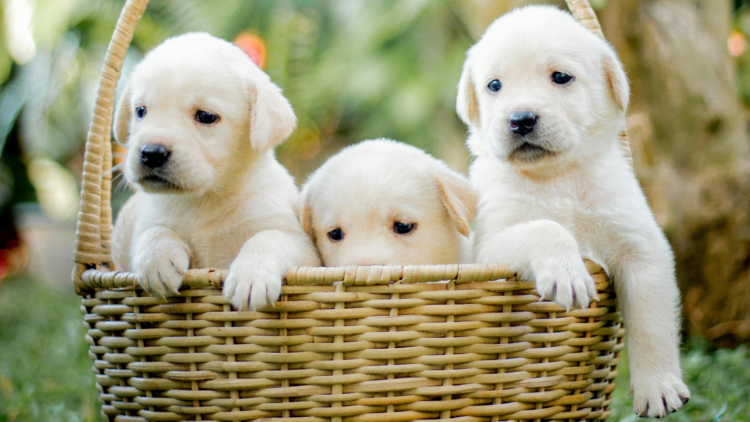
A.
pixel 378 345
pixel 355 344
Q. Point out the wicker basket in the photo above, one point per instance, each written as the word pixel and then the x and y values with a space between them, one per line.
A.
pixel 349 344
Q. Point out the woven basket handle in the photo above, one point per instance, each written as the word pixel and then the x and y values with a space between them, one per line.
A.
pixel 95 217
pixel 583 12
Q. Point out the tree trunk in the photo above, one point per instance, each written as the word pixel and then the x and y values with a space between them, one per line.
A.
pixel 689 136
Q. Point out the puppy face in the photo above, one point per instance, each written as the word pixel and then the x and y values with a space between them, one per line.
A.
pixel 386 203
pixel 540 88
pixel 195 112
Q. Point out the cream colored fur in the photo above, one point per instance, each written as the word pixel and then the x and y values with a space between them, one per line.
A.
pixel 366 188
pixel 223 194
pixel 581 198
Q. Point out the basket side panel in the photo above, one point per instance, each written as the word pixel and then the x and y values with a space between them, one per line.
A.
pixel 107 319
pixel 476 351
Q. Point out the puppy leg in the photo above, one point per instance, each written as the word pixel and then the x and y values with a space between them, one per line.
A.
pixel 161 260
pixel 123 233
pixel 545 251
pixel 649 301
pixel 255 276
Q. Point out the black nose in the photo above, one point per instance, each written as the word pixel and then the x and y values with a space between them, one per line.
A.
pixel 522 122
pixel 154 156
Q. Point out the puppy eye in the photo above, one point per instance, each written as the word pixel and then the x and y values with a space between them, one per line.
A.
pixel 403 228
pixel 494 85
pixel 335 235
pixel 561 78
pixel 205 117
pixel 140 112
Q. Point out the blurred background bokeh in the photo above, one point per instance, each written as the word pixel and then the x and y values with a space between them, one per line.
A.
pixel 354 70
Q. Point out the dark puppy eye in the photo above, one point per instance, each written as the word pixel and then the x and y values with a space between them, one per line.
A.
pixel 561 78
pixel 494 85
pixel 205 117
pixel 403 228
pixel 140 112
pixel 336 235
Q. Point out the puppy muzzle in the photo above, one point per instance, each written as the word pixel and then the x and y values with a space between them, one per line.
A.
pixel 527 151
pixel 155 183
pixel 154 169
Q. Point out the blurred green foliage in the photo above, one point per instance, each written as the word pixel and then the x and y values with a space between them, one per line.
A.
pixel 357 70
pixel 742 33
pixel 352 70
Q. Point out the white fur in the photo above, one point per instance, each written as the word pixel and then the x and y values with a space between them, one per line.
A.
pixel 366 188
pixel 542 213
pixel 226 193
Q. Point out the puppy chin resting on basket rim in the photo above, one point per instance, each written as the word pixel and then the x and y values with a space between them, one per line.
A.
pixel 382 202
pixel 200 121
pixel 545 100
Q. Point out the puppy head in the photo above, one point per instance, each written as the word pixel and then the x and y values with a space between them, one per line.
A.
pixel 195 112
pixel 386 203
pixel 540 88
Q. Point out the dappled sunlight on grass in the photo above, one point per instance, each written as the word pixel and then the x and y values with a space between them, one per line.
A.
pixel 719 383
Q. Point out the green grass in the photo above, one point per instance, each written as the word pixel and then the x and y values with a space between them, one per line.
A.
pixel 45 371
pixel 719 382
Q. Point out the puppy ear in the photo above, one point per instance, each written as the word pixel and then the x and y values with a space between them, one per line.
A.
pixel 305 213
pixel 458 198
pixel 616 80
pixel 466 102
pixel 122 116
pixel 272 119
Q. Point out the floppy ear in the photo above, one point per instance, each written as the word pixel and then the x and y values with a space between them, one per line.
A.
pixel 458 198
pixel 466 102
pixel 122 116
pixel 616 80
pixel 305 214
pixel 272 119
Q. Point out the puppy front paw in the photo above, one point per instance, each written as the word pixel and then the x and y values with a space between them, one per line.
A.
pixel 253 283
pixel 659 395
pixel 566 281
pixel 161 269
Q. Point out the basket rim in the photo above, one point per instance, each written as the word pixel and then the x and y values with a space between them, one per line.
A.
pixel 98 279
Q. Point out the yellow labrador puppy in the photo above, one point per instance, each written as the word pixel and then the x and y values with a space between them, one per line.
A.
pixel 200 121
pixel 382 202
pixel 545 101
